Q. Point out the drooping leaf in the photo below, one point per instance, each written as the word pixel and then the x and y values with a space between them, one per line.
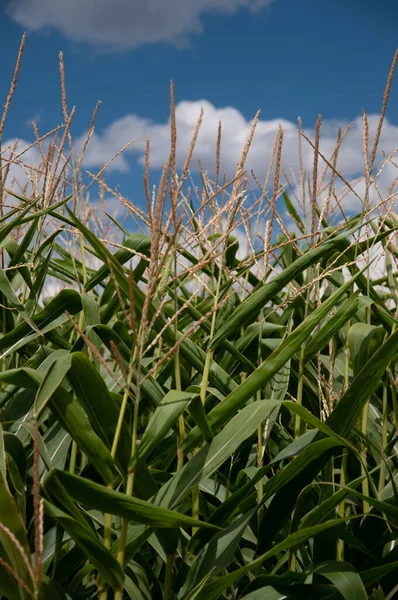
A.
pixel 345 578
pixel 101 498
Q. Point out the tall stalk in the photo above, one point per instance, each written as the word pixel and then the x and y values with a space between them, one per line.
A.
pixel 204 385
pixel 300 385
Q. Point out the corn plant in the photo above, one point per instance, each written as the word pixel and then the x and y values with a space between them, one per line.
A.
pixel 204 407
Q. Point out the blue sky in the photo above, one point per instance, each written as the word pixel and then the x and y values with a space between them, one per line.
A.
pixel 288 58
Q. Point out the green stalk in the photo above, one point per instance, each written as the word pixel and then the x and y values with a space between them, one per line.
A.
pixel 365 482
pixel 260 450
pixel 108 517
pixel 168 580
pixel 129 487
pixel 72 464
pixel 195 504
pixel 343 472
pixel 384 438
pixel 123 407
pixel 203 391
pixel 260 445
pixel 364 461
pixel 365 412
pixel 73 455
pixel 297 422
pixel 343 482
pixel 364 429
pixel 394 400
pixel 177 372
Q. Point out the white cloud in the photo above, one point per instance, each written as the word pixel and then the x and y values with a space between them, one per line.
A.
pixel 121 23
pixel 102 147
pixel 235 129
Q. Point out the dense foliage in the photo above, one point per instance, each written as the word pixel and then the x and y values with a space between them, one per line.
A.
pixel 206 408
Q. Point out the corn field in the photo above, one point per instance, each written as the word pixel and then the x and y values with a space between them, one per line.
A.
pixel 205 407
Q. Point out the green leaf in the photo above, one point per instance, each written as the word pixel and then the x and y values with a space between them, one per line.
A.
pixel 7 290
pixel 66 300
pixel 16 254
pixel 374 575
pixel 217 555
pixel 345 578
pixel 98 497
pixel 165 416
pixel 267 592
pixel 136 243
pixel 84 535
pixel 342 315
pixel 213 590
pixel 350 406
pixel 293 213
pixel 363 340
pixel 212 455
pixel 297 446
pixel 198 413
pixel 52 380
pixel 71 416
pixel 93 395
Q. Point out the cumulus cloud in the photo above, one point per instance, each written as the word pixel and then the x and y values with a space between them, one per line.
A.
pixel 235 129
pixel 121 24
